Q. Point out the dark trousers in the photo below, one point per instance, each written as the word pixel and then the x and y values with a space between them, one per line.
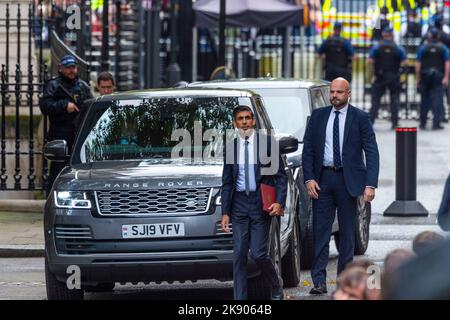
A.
pixel 250 231
pixel 381 83
pixel 432 93
pixel 333 194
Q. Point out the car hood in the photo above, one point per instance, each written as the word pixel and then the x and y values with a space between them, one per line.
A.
pixel 126 175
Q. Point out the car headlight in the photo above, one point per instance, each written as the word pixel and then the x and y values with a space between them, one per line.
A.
pixel 72 199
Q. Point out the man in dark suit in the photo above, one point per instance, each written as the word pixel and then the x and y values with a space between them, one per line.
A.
pixel 335 175
pixel 243 173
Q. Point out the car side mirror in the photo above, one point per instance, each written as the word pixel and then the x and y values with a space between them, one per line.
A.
pixel 56 150
pixel 288 144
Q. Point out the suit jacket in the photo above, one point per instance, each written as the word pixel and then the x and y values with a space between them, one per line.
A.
pixel 231 170
pixel 358 137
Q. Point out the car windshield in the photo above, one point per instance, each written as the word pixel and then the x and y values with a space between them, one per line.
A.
pixel 162 130
pixel 288 110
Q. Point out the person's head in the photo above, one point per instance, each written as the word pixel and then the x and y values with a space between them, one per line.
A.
pixel 337 28
pixel 384 10
pixel 105 83
pixel 244 120
pixel 351 284
pixel 372 292
pixel 433 34
pixel 412 14
pixel 392 262
pixel 339 93
pixel 425 240
pixel 67 67
pixel 388 34
pixel 363 263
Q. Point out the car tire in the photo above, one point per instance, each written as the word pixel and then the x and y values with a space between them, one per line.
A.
pixel 57 290
pixel 307 243
pixel 291 260
pixel 362 230
pixel 101 287
pixel 259 288
pixel 364 214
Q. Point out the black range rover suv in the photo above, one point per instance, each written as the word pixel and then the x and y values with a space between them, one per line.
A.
pixel 139 200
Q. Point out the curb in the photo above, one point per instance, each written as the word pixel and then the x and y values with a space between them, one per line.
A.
pixel 22 205
pixel 21 251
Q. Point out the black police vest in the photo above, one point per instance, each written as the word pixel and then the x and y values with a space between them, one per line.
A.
pixel 432 57
pixel 388 58
pixel 335 54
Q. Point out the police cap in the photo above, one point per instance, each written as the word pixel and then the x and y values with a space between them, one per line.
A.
pixel 68 61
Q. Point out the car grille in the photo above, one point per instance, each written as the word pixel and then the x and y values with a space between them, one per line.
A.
pixel 149 202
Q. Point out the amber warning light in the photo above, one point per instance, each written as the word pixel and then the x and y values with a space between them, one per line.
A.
pixel 406 129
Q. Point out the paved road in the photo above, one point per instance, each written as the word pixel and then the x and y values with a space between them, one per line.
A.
pixel 23 278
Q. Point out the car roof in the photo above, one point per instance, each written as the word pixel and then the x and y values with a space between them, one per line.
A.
pixel 177 93
pixel 260 83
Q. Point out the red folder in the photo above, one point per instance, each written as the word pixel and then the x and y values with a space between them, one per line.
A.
pixel 268 195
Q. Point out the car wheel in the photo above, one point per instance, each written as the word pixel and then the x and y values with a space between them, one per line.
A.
pixel 101 287
pixel 363 216
pixel 364 212
pixel 259 287
pixel 307 243
pixel 57 290
pixel 291 260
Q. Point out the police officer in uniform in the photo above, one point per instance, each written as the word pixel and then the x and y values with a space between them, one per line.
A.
pixel 382 23
pixel 336 54
pixel 61 102
pixel 388 58
pixel 432 76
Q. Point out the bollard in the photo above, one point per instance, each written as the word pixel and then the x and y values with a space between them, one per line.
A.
pixel 405 203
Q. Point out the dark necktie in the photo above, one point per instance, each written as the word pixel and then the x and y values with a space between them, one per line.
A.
pixel 336 146
pixel 247 182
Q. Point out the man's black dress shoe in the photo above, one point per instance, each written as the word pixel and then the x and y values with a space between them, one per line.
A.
pixel 319 289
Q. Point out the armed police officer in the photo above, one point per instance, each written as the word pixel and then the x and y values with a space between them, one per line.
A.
pixel 388 58
pixel 432 76
pixel 336 54
pixel 61 102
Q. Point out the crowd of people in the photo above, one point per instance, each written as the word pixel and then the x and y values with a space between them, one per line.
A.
pixel 365 280
pixel 389 60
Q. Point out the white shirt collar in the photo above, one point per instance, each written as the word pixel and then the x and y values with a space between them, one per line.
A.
pixel 343 110
pixel 250 138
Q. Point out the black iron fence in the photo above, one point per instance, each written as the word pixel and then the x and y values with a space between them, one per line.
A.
pixel 22 78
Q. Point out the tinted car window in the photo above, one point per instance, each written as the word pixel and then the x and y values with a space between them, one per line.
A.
pixel 317 98
pixel 288 110
pixel 157 128
pixel 326 94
